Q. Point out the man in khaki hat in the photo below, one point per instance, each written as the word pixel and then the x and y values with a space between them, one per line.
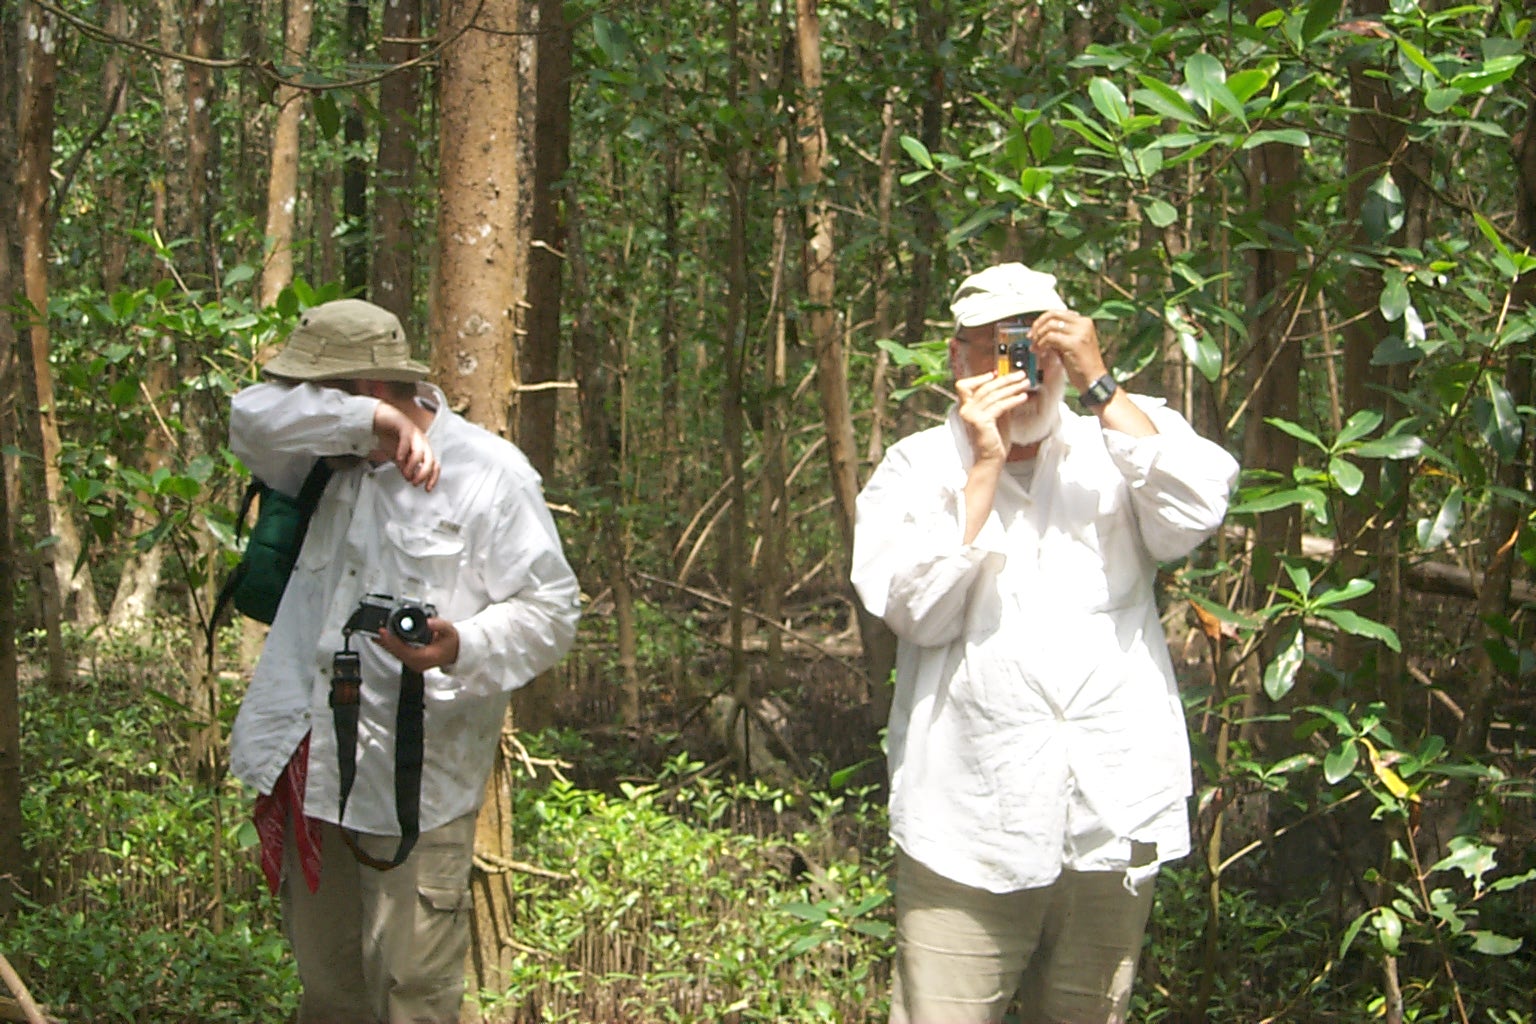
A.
pixel 430 585
pixel 1038 756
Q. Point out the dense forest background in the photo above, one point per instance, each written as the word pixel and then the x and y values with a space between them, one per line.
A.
pixel 694 258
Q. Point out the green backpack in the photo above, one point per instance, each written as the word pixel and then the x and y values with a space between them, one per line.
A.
pixel 256 585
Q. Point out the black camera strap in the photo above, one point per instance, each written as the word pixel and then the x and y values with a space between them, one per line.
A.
pixel 346 699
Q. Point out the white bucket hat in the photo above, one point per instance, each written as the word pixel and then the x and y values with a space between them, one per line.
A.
pixel 346 338
pixel 1007 289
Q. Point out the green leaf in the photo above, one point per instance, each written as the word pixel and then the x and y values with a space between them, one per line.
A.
pixel 1321 14
pixel 1340 762
pixel 917 151
pixel 1359 625
pixel 1109 101
pixel 1389 929
pixel 1394 446
pixel 1359 425
pixel 1394 297
pixel 1348 476
pixel 1204 73
pixel 1382 212
pixel 1299 432
pixel 1434 532
pixel 1289 136
pixel 1348 592
pixel 1161 213
pixel 1505 427
pixel 1162 98
pixel 1493 944
pixel 1280 674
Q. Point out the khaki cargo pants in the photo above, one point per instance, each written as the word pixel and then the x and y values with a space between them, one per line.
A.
pixel 382 947
pixel 961 953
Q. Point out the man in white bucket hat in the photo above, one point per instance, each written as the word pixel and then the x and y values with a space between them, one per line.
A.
pixel 431 583
pixel 1038 756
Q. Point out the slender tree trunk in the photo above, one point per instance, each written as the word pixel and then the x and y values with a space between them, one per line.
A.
pixel 354 175
pixel 39 81
pixel 1511 477
pixel 12 852
pixel 283 180
pixel 538 403
pixel 479 270
pixel 479 285
pixel 393 272
pixel 733 427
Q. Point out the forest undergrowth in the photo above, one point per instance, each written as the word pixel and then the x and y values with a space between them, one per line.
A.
pixel 665 886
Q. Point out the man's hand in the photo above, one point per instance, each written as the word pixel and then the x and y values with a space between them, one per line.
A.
pixel 985 401
pixel 1075 340
pixel 439 652
pixel 405 444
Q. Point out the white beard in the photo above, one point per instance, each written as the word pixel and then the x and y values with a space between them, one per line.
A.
pixel 1037 418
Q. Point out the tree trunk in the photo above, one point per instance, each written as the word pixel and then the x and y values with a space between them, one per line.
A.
pixel 477 291
pixel 283 180
pixel 393 271
pixel 1510 477
pixel 12 852
pixel 539 401
pixel 479 268
pixel 35 127
pixel 354 175
pixel 738 161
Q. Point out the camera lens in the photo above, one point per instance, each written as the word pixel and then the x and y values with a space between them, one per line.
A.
pixel 409 623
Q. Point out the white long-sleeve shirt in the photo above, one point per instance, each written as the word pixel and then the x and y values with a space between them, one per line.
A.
pixel 1036 724
pixel 480 547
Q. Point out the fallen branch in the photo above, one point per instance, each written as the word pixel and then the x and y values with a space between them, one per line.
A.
pixel 29 1009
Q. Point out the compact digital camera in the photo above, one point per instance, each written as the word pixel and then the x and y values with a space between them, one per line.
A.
pixel 405 617
pixel 1014 351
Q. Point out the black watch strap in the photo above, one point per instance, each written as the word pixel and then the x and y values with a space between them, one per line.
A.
pixel 1099 392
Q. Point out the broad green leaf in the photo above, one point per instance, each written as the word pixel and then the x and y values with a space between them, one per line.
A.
pixel 1493 944
pixel 1290 136
pixel 1161 98
pixel 1348 476
pixel 1359 625
pixel 1394 297
pixel 1108 101
pixel 1161 213
pixel 1340 762
pixel 1244 84
pixel 1472 858
pixel 1204 74
pixel 1299 432
pixel 1348 592
pixel 1440 99
pixel 1321 14
pixel 1041 141
pixel 1505 422
pixel 1389 929
pixel 1434 532
pixel 917 151
pixel 1415 56
pixel 1280 674
pixel 1382 213
pixel 1272 501
pixel 1394 446
pixel 1359 425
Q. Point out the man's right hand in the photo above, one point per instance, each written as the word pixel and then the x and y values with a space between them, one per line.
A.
pixel 405 444
pixel 985 401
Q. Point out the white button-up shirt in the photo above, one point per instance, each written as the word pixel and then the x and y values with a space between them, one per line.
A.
pixel 1036 724
pixel 480 547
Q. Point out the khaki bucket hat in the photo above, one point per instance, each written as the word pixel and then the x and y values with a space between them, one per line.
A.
pixel 346 338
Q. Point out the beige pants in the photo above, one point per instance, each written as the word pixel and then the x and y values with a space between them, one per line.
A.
pixel 382 947
pixel 962 953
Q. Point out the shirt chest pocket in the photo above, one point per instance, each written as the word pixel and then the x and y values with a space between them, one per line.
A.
pixel 423 559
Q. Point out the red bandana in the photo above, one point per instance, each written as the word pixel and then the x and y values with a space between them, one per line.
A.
pixel 272 812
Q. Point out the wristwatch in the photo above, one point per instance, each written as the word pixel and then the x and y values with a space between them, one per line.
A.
pixel 1099 392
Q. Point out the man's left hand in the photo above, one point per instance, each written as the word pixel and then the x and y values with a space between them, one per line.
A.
pixel 439 652
pixel 1075 340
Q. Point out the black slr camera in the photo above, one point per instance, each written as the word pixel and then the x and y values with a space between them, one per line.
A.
pixel 406 618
